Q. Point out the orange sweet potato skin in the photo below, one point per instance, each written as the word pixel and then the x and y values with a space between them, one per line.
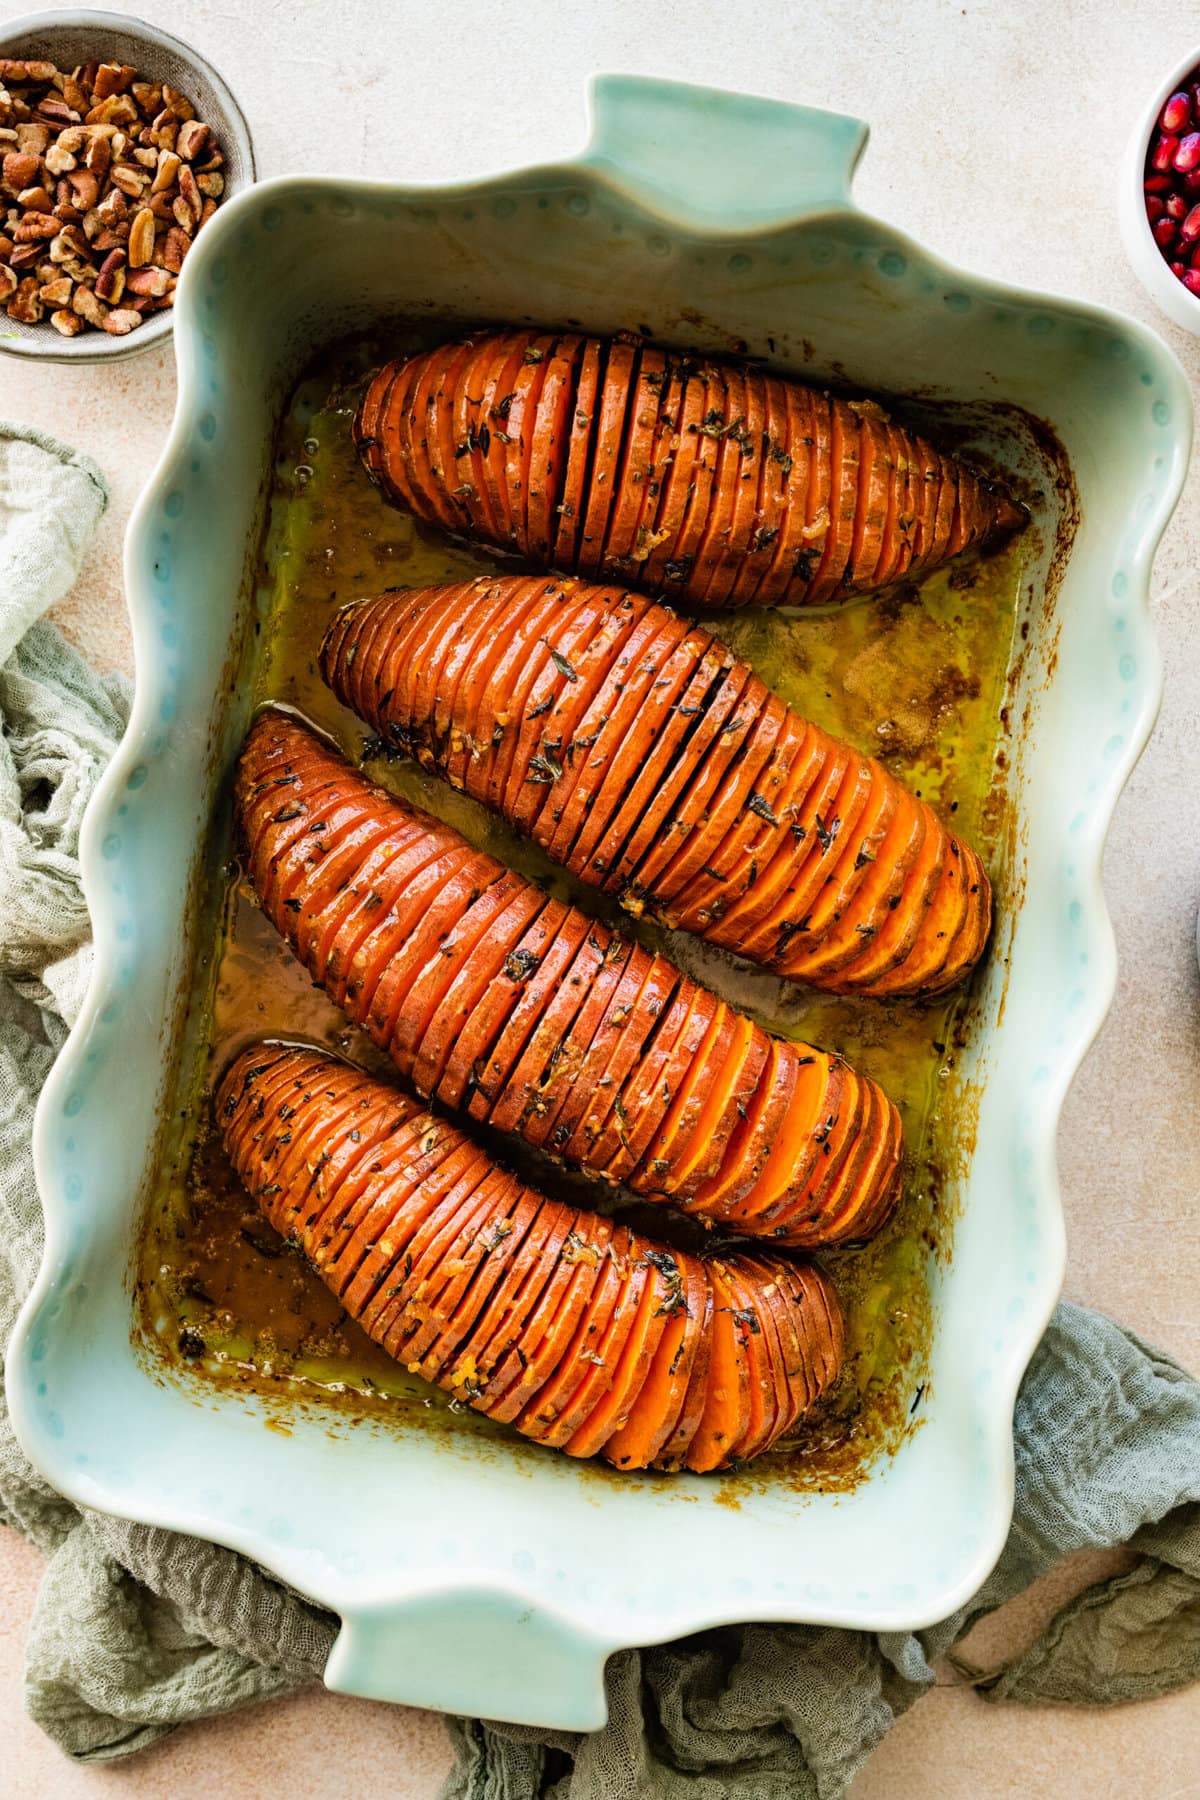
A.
pixel 772 511
pixel 630 761
pixel 490 995
pixel 505 1299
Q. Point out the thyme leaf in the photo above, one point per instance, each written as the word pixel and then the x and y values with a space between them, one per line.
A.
pixel 826 833
pixel 543 768
pixel 520 964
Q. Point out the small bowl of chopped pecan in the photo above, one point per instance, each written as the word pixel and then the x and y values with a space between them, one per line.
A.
pixel 118 143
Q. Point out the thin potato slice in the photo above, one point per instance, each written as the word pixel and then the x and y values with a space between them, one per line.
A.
pixel 549 444
pixel 573 504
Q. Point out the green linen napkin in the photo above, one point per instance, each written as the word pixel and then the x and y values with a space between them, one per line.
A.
pixel 137 1630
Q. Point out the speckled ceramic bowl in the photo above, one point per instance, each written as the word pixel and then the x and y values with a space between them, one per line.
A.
pixel 71 38
pixel 469 1576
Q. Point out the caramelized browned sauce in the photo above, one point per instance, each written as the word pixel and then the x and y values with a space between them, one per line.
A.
pixel 917 677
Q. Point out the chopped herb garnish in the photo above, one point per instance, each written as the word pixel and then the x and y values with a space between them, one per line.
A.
pixel 589 742
pixel 543 768
pixel 761 806
pixel 373 747
pixel 503 1228
pixel 826 833
pixel 748 1319
pixel 562 665
pixel 789 929
pixel 520 964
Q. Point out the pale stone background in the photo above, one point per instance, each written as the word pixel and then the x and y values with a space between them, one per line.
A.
pixel 996 133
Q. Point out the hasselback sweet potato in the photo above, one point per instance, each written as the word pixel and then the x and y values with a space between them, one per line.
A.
pixel 580 1333
pixel 497 998
pixel 715 484
pixel 642 754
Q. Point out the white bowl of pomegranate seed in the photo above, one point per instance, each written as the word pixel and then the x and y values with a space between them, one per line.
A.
pixel 1160 196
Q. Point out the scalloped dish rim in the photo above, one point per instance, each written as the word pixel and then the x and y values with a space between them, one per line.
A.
pixel 442 1588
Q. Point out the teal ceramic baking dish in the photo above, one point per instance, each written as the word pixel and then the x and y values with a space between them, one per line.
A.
pixel 467 1579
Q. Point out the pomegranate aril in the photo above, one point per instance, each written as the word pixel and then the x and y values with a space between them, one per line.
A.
pixel 1191 182
pixel 1176 113
pixel 1164 233
pixel 1162 156
pixel 1189 231
pixel 1177 206
pixel 1157 184
pixel 1191 281
pixel 1187 153
pixel 1194 259
pixel 1178 269
pixel 1154 208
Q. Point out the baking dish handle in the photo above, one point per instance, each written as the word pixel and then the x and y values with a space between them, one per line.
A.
pixel 478 1651
pixel 722 161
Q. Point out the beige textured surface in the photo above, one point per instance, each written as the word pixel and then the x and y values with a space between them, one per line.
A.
pixel 996 134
